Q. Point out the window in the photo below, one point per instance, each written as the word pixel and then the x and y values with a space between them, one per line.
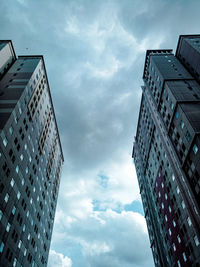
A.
pixel 1 247
pixel 1 214
pixel 182 124
pixel 188 136
pixel 174 223
pixel 12 182
pixel 13 210
pixel 166 218
pixel 18 195
pixel 195 149
pixel 177 190
pixel 21 157
pixel 196 240
pixel 178 262
pixel 179 239
pixel 174 247
pixel 8 227
pixel 177 115
pixel 25 250
pixel 166 196
pixel 11 130
pixel 189 221
pixel 170 210
pixel 14 262
pixel 6 198
pixel 183 204
pixel 17 169
pixel 5 141
pixel 19 244
pixel 184 257
pixel 170 232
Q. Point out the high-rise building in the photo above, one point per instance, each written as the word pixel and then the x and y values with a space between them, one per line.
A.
pixel 166 152
pixel 30 160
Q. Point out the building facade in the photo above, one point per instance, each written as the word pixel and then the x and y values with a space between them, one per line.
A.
pixel 166 152
pixel 30 160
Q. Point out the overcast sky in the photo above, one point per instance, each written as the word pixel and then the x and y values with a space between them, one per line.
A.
pixel 94 52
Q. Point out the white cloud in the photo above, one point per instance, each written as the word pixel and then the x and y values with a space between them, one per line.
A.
pixel 58 260
pixel 106 238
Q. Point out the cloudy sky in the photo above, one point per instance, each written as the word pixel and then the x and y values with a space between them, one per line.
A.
pixel 94 52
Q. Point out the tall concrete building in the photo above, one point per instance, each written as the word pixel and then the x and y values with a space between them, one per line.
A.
pixel 30 160
pixel 166 152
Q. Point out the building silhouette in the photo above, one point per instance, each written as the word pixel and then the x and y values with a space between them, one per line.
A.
pixel 166 152
pixel 30 160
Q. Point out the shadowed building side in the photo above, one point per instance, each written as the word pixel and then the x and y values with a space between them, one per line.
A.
pixel 30 160
pixel 166 152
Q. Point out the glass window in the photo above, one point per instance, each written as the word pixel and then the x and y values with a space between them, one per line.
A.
pixel 18 195
pixel 5 141
pixel 17 169
pixel 166 218
pixel 174 223
pixel 195 149
pixel 19 244
pixel 177 190
pixel 1 247
pixel 6 198
pixel 174 247
pixel 188 136
pixel 1 214
pixel 21 157
pixel 24 228
pixel 170 232
pixel 184 256
pixel 189 221
pixel 177 115
pixel 179 239
pixel 196 240
pixel 14 262
pixel 8 227
pixel 170 210
pixel 12 182
pixel 13 210
pixel 183 204
pixel 11 130
pixel 182 124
